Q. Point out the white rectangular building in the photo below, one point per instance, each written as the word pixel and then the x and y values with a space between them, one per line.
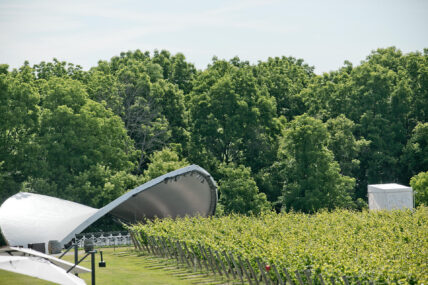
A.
pixel 390 196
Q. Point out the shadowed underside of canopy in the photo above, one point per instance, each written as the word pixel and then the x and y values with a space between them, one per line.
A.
pixel 28 218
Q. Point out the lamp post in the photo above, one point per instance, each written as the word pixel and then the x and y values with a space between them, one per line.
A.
pixel 92 252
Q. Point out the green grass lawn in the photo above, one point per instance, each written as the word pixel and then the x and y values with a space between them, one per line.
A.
pixel 125 266
pixel 10 278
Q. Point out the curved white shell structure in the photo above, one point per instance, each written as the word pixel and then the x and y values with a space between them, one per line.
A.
pixel 28 218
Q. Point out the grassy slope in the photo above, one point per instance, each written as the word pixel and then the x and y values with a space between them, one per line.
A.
pixel 123 267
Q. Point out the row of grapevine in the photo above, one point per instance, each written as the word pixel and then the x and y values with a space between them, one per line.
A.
pixel 383 246
pixel 232 267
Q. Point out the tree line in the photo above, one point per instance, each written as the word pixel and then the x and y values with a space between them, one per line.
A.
pixel 273 134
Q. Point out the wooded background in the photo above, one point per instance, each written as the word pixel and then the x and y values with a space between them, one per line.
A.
pixel 273 134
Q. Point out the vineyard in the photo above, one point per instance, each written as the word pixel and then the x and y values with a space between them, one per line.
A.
pixel 382 246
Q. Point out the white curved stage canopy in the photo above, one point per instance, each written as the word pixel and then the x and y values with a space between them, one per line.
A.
pixel 28 218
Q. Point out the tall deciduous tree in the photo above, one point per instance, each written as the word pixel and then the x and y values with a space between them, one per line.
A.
pixel 162 162
pixel 46 70
pixel 233 119
pixel 239 192
pixel 139 89
pixel 419 184
pixel 284 78
pixel 415 155
pixel 76 134
pixel 347 149
pixel 385 98
pixel 312 178
pixel 105 88
pixel 19 121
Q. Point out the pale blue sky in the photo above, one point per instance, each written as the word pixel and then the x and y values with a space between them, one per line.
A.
pixel 323 33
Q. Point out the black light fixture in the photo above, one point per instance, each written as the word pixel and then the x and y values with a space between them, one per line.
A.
pixel 88 245
pixel 102 263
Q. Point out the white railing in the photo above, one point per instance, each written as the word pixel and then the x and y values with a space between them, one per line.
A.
pixel 105 239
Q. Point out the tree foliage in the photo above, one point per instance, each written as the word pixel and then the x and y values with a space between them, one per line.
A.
pixel 91 135
pixel 238 191
pixel 19 123
pixel 379 97
pixel 415 154
pixel 419 185
pixel 162 162
pixel 233 118
pixel 312 178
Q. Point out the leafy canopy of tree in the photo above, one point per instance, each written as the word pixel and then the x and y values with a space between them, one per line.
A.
pixel 312 179
pixel 386 98
pixel 163 161
pixel 239 192
pixel 89 136
pixel 233 118
pixel 19 123
pixel 419 184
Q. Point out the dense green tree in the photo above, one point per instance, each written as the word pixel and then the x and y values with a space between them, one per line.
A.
pixel 419 185
pixel 99 185
pixel 132 86
pixel 415 155
pixel 239 192
pixel 106 89
pixel 76 134
pixel 46 70
pixel 145 123
pixel 416 66
pixel 19 121
pixel 4 69
pixel 182 73
pixel 163 59
pixel 328 95
pixel 162 65
pixel 152 108
pixel 148 129
pixel 162 162
pixel 233 119
pixel 347 150
pixel 284 78
pixel 124 59
pixel 176 69
pixel 169 99
pixel 95 187
pixel 312 178
pixel 379 97
pixel 345 147
pixel 270 181
pixel 154 115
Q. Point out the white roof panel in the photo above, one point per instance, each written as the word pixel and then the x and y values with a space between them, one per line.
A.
pixel 16 251
pixel 389 187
